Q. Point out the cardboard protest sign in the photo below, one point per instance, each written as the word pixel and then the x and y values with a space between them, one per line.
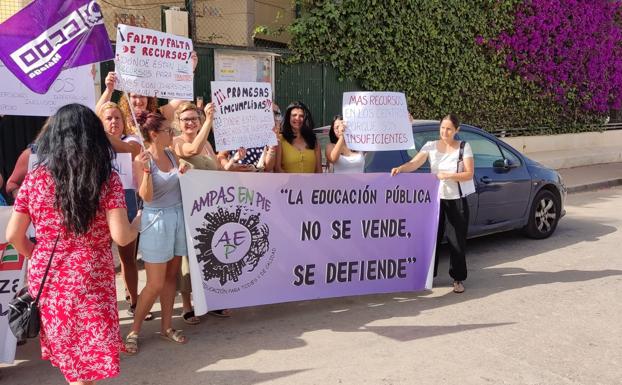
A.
pixel 243 115
pixel 268 238
pixel 154 63
pixel 48 36
pixel 73 85
pixel 12 269
pixel 377 121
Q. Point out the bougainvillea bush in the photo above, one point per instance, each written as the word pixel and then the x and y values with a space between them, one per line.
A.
pixel 498 64
pixel 572 49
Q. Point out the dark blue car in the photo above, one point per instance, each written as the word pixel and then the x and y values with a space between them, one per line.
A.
pixel 512 191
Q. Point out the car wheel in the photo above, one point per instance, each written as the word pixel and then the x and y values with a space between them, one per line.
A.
pixel 543 215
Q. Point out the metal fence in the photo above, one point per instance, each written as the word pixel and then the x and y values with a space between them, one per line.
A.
pixel 9 7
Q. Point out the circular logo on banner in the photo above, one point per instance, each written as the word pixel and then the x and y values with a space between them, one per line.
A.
pixel 232 245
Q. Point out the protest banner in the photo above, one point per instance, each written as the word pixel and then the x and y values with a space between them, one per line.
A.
pixel 122 164
pixel 268 238
pixel 73 85
pixel 12 269
pixel 377 121
pixel 242 115
pixel 154 63
pixel 48 36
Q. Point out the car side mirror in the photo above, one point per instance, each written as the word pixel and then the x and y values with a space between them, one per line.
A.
pixel 503 163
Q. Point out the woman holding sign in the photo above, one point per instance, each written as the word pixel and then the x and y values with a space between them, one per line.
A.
pixel 452 162
pixel 256 158
pixel 123 141
pixel 299 150
pixel 163 236
pixel 338 154
pixel 134 102
pixel 192 145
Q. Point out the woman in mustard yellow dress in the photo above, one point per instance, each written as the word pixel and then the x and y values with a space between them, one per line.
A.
pixel 298 150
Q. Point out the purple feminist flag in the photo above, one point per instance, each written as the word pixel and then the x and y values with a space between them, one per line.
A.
pixel 48 36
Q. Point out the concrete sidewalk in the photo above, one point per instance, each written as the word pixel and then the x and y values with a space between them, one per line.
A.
pixel 593 177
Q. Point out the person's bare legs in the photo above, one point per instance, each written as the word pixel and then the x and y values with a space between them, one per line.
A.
pixel 167 296
pixel 82 383
pixel 129 270
pixel 156 275
pixel 186 301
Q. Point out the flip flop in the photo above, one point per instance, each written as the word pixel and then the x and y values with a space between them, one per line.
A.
pixel 190 318
pixel 175 336
pixel 223 313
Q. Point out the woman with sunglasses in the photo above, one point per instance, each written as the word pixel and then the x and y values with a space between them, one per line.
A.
pixel 192 145
pixel 163 236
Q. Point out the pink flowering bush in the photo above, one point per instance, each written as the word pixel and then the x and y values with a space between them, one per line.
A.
pixel 571 49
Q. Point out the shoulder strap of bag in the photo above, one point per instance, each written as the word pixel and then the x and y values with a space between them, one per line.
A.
pixel 46 270
pixel 460 155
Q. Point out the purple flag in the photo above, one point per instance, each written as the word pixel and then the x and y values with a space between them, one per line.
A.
pixel 48 36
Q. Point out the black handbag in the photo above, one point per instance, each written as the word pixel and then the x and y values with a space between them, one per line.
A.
pixel 24 320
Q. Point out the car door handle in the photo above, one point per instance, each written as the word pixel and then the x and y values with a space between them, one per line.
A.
pixel 485 179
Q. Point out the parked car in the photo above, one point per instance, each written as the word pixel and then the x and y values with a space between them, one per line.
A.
pixel 512 191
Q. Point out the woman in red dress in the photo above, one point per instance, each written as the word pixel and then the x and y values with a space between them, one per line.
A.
pixel 73 194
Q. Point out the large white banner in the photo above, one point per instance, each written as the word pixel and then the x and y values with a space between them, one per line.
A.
pixel 12 267
pixel 74 85
pixel 242 115
pixel 154 63
pixel 377 121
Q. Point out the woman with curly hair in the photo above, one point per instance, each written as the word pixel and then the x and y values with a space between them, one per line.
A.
pixel 76 202
pixel 139 103
pixel 299 150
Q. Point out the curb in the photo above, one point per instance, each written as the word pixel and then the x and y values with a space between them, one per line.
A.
pixel 594 186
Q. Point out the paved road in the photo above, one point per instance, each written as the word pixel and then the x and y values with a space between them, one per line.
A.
pixel 535 312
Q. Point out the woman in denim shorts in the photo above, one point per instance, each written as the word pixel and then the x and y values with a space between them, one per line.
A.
pixel 163 238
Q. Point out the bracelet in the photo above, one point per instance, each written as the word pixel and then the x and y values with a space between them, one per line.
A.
pixel 147 171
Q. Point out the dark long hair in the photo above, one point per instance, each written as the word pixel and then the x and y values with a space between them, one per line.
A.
pixel 306 131
pixel 79 156
pixel 331 133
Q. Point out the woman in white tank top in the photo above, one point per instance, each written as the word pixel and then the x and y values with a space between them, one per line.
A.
pixel 456 183
pixel 338 154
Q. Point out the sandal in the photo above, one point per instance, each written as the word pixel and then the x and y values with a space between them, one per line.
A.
pixel 175 336
pixel 132 311
pixel 458 287
pixel 190 318
pixel 131 343
pixel 224 313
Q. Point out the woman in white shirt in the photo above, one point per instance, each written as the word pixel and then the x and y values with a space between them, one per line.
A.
pixel 456 182
pixel 338 154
